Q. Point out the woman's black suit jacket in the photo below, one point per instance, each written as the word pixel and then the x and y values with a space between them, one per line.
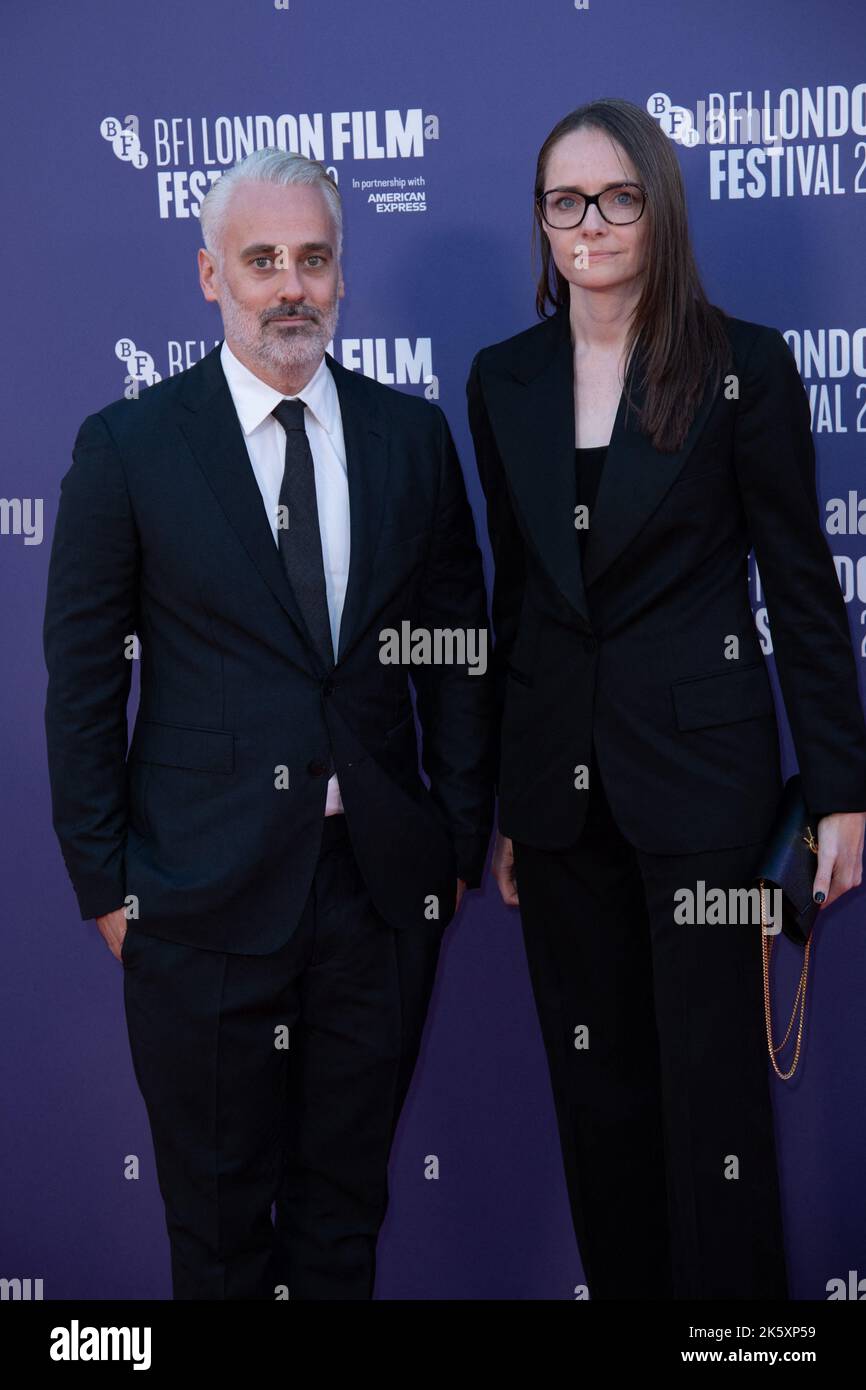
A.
pixel 636 652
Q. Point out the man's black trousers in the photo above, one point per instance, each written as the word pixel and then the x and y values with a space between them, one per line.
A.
pixel 241 1122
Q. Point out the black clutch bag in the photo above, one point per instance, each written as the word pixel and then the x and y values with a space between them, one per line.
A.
pixel 788 865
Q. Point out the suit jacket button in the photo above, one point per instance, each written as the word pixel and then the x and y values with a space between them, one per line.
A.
pixel 317 768
pixel 328 687
pixel 589 644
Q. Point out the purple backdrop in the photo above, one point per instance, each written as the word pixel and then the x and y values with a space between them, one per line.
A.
pixel 451 102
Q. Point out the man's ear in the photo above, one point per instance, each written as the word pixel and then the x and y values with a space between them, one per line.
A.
pixel 207 273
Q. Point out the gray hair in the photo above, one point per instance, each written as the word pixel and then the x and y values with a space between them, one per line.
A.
pixel 269 165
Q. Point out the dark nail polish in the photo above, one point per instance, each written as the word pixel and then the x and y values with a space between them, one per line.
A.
pixel 819 896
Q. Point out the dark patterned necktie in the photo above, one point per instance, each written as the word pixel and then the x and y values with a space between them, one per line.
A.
pixel 300 540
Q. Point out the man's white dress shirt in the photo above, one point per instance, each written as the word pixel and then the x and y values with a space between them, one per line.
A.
pixel 265 439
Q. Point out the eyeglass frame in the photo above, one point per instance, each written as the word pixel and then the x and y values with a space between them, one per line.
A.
pixel 590 199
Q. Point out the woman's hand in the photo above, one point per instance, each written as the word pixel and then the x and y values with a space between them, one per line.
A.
pixel 502 865
pixel 840 854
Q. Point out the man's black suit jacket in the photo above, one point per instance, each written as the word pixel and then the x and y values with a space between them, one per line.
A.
pixel 635 652
pixel 162 532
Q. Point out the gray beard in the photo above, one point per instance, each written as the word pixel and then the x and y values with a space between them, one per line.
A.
pixel 279 349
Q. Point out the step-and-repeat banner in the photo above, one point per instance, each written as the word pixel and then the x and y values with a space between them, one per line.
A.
pixel 118 119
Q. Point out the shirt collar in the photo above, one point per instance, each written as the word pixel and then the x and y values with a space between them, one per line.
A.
pixel 254 399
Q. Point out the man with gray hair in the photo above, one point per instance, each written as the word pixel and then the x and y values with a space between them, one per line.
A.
pixel 266 860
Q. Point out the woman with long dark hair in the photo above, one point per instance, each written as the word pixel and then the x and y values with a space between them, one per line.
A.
pixel 633 447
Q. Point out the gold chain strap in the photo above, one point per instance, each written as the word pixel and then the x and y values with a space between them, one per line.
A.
pixel 800 996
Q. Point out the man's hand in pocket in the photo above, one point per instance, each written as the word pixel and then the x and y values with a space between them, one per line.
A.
pixel 114 927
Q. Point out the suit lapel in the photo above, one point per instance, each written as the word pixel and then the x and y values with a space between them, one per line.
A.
pixel 213 432
pixel 634 478
pixel 534 429
pixel 365 436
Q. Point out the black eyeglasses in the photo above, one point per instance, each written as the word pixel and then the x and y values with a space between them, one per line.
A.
pixel 563 208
